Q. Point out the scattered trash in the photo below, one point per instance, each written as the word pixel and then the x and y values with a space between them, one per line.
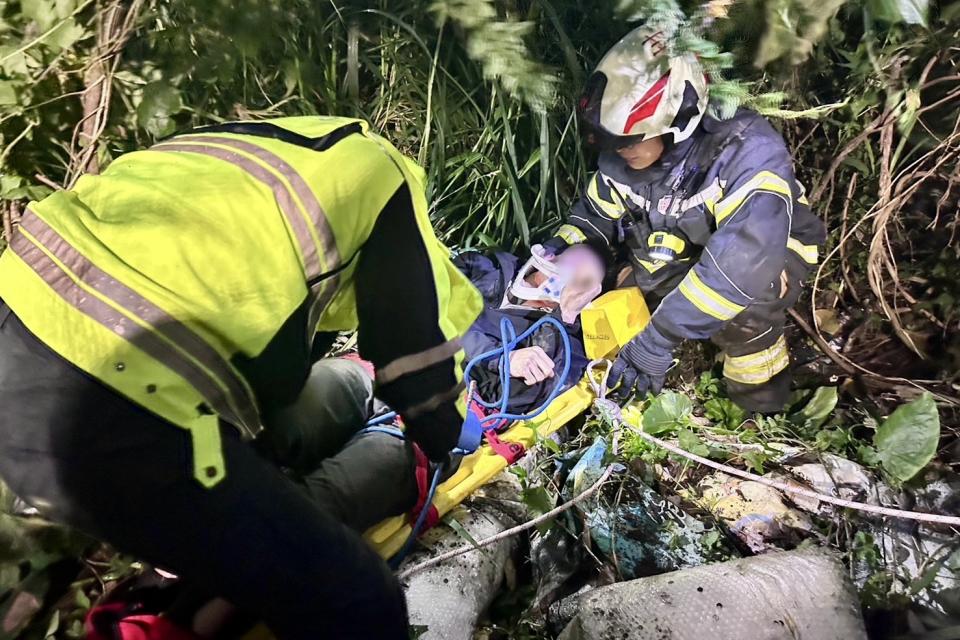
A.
pixel 796 594
pixel 922 561
pixel 631 526
pixel 642 533
pixel 754 512
pixel 834 476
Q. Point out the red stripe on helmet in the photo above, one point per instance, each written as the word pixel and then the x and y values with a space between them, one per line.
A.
pixel 647 105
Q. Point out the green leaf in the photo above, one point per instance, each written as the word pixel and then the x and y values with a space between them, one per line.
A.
pixel 65 35
pixel 689 441
pixel 755 460
pixel 538 499
pixel 868 455
pixel 818 410
pixel 894 11
pixel 551 445
pixel 459 529
pixel 8 92
pixel 40 11
pixel 710 539
pixel 725 412
pixel 65 7
pixel 668 412
pixel 159 103
pixel 858 164
pixel 907 440
pixel 14 63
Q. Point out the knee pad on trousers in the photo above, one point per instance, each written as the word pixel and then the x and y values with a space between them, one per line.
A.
pixel 766 397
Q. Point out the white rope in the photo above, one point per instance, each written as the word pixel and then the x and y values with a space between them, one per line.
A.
pixel 788 488
pixel 443 557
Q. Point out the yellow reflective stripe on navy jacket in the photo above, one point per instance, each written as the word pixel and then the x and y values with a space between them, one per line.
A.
pixel 739 207
pixel 604 199
pixel 571 234
pixel 763 181
pixel 707 300
pixel 808 252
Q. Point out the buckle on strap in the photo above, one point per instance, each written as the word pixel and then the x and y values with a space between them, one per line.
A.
pixel 509 451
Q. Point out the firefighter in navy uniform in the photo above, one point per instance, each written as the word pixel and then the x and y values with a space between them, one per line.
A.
pixel 707 212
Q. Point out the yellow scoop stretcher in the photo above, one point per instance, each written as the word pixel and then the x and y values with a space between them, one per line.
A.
pixel 608 323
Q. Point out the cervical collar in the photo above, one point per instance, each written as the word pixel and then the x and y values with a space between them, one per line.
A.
pixel 549 290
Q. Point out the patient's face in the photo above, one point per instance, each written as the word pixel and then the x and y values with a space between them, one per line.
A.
pixel 585 271
pixel 585 267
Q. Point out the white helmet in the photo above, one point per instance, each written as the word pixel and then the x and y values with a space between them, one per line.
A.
pixel 639 91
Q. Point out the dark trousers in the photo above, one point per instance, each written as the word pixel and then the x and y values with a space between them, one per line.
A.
pixel 757 332
pixel 87 457
pixel 755 337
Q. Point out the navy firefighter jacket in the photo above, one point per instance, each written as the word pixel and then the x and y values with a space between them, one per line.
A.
pixel 723 204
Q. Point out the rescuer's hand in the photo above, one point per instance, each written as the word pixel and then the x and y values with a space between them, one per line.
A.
pixel 642 365
pixel 532 364
pixel 577 295
pixel 550 248
pixel 437 431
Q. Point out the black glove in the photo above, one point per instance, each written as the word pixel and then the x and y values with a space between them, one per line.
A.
pixel 436 431
pixel 642 365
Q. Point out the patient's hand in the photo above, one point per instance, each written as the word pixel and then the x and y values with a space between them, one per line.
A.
pixel 532 364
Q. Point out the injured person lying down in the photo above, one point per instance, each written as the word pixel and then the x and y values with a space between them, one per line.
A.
pixel 364 476
pixel 559 286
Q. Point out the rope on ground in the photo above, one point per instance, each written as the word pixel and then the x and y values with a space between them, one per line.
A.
pixel 788 488
pixel 443 557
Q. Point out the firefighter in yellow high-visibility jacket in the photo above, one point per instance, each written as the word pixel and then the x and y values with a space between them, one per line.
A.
pixel 158 315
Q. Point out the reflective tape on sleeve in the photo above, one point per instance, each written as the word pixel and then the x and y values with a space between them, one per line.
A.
pixel 706 299
pixel 417 361
pixel 571 234
pixel 764 181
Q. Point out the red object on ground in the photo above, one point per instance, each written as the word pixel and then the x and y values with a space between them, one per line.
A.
pixel 113 622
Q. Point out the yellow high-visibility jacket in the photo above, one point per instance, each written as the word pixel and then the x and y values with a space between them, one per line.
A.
pixel 194 277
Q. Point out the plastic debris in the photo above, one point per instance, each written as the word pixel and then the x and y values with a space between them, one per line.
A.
pixel 630 526
pixel 643 533
pixel 924 560
pixel 789 595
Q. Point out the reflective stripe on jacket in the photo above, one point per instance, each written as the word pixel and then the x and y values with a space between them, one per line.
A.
pixel 178 262
pixel 727 203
